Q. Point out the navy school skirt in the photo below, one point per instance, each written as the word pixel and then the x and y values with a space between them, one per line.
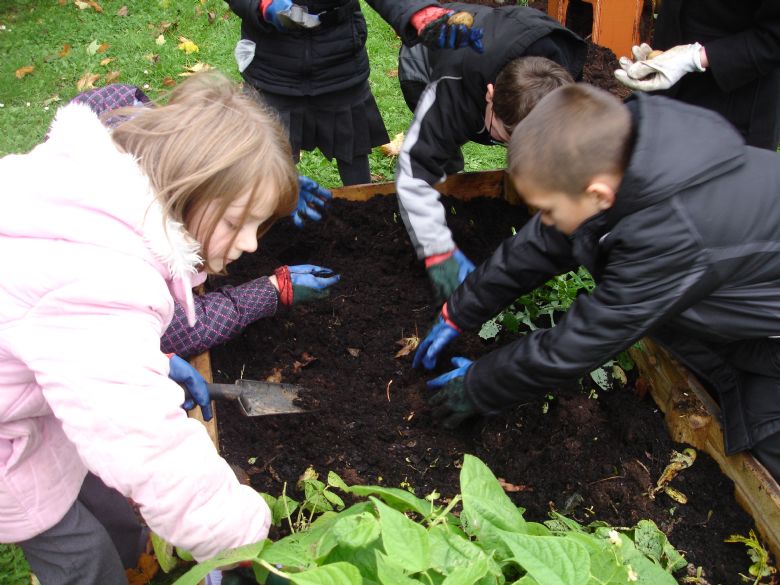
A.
pixel 342 124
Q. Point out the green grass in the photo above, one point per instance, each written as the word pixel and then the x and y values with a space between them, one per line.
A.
pixel 35 33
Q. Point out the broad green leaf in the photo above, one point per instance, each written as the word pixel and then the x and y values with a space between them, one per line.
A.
pixel 364 558
pixel 390 573
pixel 599 375
pixel 467 575
pixel 550 560
pixel 283 508
pixel 184 555
pixel 397 498
pixel 335 481
pixel 489 329
pixel 164 553
pixel 485 500
pixel 334 499
pixel 604 565
pixel 322 538
pixel 335 574
pixel 405 541
pixel 654 544
pixel 450 551
pixel 289 552
pixel 250 552
pixel 356 531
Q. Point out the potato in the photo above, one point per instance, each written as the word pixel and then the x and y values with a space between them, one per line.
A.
pixel 462 17
pixel 654 54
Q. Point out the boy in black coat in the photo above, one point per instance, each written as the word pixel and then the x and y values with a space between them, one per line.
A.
pixel 465 96
pixel 676 219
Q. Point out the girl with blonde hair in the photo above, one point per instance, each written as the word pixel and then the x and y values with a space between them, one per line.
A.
pixel 89 282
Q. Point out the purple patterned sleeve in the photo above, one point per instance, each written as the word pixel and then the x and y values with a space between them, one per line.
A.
pixel 112 97
pixel 222 315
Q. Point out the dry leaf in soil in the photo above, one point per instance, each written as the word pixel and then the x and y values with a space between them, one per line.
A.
pixel 112 76
pixel 145 571
pixel 160 40
pixel 107 60
pixel 87 81
pixel 64 52
pixel 276 377
pixel 84 4
pixel 408 345
pixel 354 352
pixel 393 148
pixel 168 81
pixel 22 71
pixel 511 488
pixel 306 359
pixel 392 72
pixel 103 48
pixel 124 11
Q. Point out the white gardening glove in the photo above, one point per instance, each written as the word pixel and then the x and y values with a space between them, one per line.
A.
pixel 663 72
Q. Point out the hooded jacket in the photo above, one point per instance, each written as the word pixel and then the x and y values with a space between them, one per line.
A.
pixel 88 288
pixel 691 242
pixel 451 110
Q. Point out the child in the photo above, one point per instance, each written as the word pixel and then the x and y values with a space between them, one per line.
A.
pixel 224 313
pixel 88 287
pixel 678 222
pixel 720 55
pixel 462 96
pixel 316 75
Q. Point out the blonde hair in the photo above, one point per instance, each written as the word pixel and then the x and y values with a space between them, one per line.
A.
pixel 211 142
pixel 575 133
pixel 522 83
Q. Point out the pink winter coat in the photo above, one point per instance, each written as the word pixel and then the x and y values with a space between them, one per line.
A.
pixel 88 276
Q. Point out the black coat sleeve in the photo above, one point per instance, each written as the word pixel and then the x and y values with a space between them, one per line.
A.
pixel 643 284
pixel 249 13
pixel 519 265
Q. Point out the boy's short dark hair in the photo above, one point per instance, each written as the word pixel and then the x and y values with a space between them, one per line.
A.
pixel 520 85
pixel 575 133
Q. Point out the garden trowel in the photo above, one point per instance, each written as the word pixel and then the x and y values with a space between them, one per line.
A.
pixel 257 398
pixel 298 17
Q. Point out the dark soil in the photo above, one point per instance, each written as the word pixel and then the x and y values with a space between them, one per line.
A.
pixel 594 457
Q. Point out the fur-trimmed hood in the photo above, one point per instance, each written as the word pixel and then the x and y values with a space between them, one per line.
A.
pixel 79 187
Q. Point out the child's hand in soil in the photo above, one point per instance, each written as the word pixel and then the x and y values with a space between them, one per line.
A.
pixel 303 283
pixel 452 403
pixel 440 28
pixel 446 272
pixel 312 199
pixel 438 337
pixel 193 384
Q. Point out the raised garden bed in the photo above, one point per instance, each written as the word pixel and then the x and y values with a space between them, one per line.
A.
pixel 595 458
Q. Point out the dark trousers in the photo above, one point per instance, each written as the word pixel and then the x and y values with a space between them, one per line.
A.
pixel 97 539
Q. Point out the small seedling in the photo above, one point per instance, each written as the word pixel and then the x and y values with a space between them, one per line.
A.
pixel 758 554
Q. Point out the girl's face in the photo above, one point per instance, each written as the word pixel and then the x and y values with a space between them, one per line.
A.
pixel 221 251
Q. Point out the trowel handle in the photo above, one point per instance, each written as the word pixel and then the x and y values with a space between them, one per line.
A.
pixel 224 391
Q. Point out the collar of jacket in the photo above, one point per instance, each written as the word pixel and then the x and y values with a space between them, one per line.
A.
pixel 77 133
pixel 676 146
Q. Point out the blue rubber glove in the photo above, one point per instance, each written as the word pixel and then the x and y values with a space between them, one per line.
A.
pixel 452 403
pixel 446 272
pixel 435 30
pixel 303 283
pixel 193 383
pixel 442 333
pixel 270 9
pixel 311 196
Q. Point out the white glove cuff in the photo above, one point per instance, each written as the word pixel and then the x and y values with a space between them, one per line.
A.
pixel 697 57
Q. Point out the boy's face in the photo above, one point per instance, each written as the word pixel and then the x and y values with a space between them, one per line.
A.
pixel 566 212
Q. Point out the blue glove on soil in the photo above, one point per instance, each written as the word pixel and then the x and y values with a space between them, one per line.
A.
pixel 269 10
pixel 303 283
pixel 193 383
pixel 452 403
pixel 446 272
pixel 310 196
pixel 438 337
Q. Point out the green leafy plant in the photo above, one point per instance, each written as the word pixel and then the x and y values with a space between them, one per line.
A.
pixel 390 536
pixel 758 554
